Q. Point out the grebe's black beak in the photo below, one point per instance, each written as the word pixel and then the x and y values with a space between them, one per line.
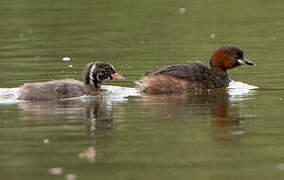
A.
pixel 117 76
pixel 246 61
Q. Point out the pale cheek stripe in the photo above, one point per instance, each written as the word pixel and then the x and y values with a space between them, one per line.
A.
pixel 91 74
pixel 113 68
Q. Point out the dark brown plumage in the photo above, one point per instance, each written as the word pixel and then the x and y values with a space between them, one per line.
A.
pixel 93 75
pixel 194 77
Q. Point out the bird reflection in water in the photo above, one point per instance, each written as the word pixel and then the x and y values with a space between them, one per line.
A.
pixel 225 115
pixel 95 110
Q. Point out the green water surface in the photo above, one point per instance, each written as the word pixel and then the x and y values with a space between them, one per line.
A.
pixel 143 138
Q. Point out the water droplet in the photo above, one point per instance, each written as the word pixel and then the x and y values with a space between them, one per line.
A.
pixel 182 10
pixel 66 59
pixel 70 66
pixel 46 141
pixel 70 177
pixel 55 171
pixel 212 35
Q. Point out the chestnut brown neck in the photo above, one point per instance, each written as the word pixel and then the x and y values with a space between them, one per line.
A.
pixel 219 63
pixel 221 60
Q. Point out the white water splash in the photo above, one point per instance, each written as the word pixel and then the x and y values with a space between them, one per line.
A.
pixel 238 90
pixel 119 94
pixel 9 95
pixel 116 94
pixel 113 94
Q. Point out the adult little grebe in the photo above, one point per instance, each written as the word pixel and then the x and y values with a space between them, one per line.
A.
pixel 194 77
pixel 94 74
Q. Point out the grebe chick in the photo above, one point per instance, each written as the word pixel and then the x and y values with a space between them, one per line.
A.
pixel 93 75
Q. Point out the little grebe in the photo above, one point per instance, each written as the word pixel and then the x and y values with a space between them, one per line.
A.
pixel 194 77
pixel 93 75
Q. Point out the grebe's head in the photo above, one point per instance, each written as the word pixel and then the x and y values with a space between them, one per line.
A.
pixel 96 72
pixel 228 57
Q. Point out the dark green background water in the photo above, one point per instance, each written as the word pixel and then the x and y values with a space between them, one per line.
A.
pixel 143 138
